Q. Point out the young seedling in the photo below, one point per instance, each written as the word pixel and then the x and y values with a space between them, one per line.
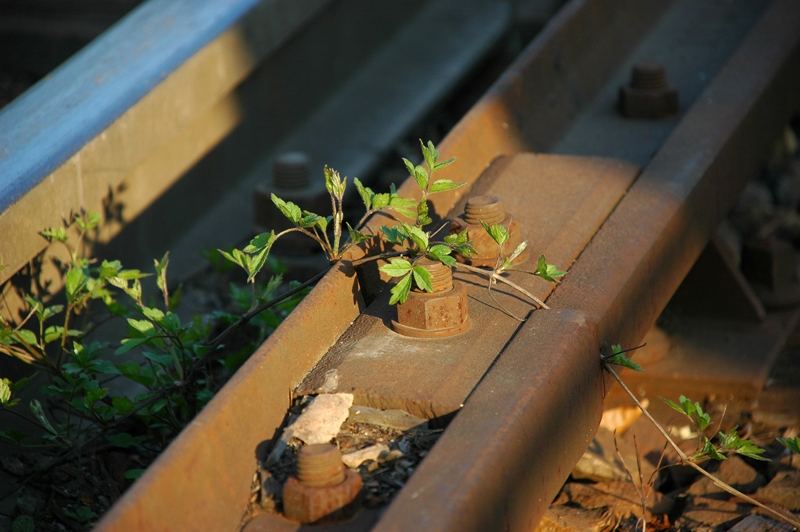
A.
pixel 719 447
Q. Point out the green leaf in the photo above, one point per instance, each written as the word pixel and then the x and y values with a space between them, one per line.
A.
pixel 38 412
pixel 26 336
pixel 74 282
pixel 793 444
pixel 124 440
pixel 143 326
pixel 23 523
pixel 421 177
pixel 418 236
pixel 422 278
pixel 457 239
pixel 57 234
pixel 498 232
pixel 404 206
pixel 422 214
pixel 409 166
pixel 122 404
pixel 133 474
pixel 708 450
pixel 395 234
pixel 441 253
pixel 259 242
pixel 442 164
pixel 365 193
pixel 429 153
pixel 443 185
pixel 730 441
pixel 5 391
pixel 127 344
pixel 356 237
pixel 290 210
pixel 397 267
pixel 692 410
pixel 400 290
pixel 161 272
pixel 548 272
pixel 619 358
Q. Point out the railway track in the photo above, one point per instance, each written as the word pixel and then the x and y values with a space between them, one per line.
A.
pixel 626 204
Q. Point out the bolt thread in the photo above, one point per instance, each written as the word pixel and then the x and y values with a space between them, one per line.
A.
pixel 648 76
pixel 487 209
pixel 441 275
pixel 320 465
pixel 291 170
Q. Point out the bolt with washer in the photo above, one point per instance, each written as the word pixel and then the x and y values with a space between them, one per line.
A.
pixel 323 487
pixel 648 95
pixel 438 314
pixel 489 210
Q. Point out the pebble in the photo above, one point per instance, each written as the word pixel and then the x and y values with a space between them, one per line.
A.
pixel 373 452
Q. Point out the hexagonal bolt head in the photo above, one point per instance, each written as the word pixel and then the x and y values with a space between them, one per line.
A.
pixel 648 95
pixel 442 313
pixel 490 210
pixel 325 488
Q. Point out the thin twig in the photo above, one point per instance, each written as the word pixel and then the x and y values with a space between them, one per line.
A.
pixel 509 282
pixel 687 461
pixel 246 317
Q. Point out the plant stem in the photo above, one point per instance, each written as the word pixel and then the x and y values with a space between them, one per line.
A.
pixel 509 282
pixel 688 461
pixel 264 306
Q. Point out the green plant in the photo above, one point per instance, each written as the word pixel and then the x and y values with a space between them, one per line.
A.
pixel 411 241
pixel 93 396
pixel 718 448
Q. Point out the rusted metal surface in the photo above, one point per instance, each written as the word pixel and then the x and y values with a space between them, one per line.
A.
pixel 213 459
pixel 505 454
pixel 648 95
pixel 574 196
pixel 621 282
pixel 489 210
pixel 441 313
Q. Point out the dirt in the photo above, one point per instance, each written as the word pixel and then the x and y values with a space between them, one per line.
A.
pixel 383 477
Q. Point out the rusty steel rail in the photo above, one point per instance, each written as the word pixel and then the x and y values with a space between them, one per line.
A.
pixel 505 454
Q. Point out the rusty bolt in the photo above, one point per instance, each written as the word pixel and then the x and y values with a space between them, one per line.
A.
pixel 489 210
pixel 437 314
pixel 291 170
pixel 322 488
pixel 648 94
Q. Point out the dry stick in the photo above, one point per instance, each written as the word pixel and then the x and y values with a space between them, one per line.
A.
pixel 640 486
pixel 509 282
pixel 687 461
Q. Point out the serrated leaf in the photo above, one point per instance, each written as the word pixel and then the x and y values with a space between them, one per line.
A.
pixel 619 358
pixel 692 410
pixel 498 232
pixel 259 242
pixel 731 441
pixel 793 444
pixel 403 206
pixel 356 237
pixel 409 166
pixel 161 272
pixel 394 235
pixel 26 336
pixel 442 164
pixel 74 281
pixel 365 193
pixel 143 326
pixel 397 267
pixel 457 239
pixel 422 278
pixel 443 185
pixel 429 153
pixel 57 234
pixel 418 236
pixel 421 177
pixel 548 272
pixel 708 450
pixel 5 391
pixel 290 210
pixel 400 290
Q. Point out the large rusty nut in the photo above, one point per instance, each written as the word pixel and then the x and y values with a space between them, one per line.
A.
pixel 486 250
pixel 648 103
pixel 432 315
pixel 307 504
